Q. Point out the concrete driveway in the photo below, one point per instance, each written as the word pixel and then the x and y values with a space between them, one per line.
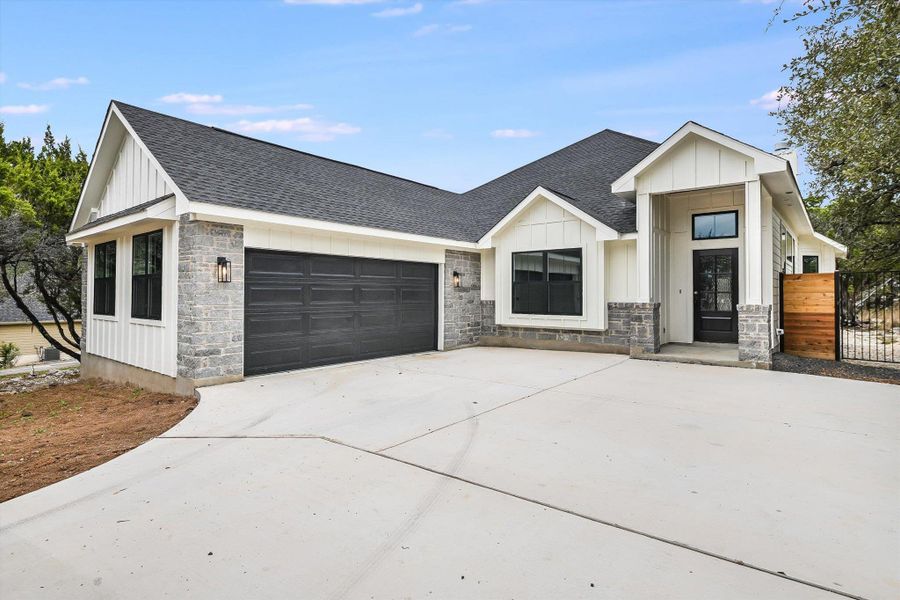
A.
pixel 486 473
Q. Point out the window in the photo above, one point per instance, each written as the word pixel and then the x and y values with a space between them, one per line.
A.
pixel 547 282
pixel 146 276
pixel 787 251
pixel 715 226
pixel 105 279
pixel 810 264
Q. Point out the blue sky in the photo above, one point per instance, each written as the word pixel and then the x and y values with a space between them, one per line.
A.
pixel 447 93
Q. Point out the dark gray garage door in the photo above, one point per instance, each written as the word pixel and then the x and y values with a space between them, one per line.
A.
pixel 303 310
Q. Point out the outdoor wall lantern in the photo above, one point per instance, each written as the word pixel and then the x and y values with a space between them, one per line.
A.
pixel 455 278
pixel 223 270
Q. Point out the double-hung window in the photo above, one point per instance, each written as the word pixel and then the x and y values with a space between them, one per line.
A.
pixel 105 279
pixel 146 275
pixel 547 282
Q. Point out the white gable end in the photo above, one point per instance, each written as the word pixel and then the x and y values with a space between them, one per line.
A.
pixel 133 180
pixel 695 162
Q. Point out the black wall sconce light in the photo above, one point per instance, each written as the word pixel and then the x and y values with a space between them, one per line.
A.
pixel 455 278
pixel 223 270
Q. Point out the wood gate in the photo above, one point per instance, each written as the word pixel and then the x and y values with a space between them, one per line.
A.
pixel 808 315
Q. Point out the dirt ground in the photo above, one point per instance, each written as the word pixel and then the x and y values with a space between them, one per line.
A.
pixel 53 433
pixel 829 368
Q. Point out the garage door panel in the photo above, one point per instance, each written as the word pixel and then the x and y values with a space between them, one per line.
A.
pixel 331 267
pixel 331 322
pixel 275 264
pixel 419 271
pixel 330 295
pixel 306 310
pixel 377 295
pixel 386 319
pixel 378 269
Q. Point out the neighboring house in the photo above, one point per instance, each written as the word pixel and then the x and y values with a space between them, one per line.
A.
pixel 614 243
pixel 16 328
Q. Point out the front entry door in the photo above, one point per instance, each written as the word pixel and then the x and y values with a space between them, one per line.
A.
pixel 716 295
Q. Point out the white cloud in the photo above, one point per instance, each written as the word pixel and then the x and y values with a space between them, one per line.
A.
pixel 202 108
pixel 310 129
pixel 333 2
pixel 23 109
pixel 400 11
pixel 774 100
pixel 439 28
pixel 438 134
pixel 513 133
pixel 469 2
pixel 2 77
pixel 60 83
pixel 186 98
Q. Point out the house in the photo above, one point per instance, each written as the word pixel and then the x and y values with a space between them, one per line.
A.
pixel 211 256
pixel 15 327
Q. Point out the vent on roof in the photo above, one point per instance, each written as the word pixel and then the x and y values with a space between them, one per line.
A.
pixel 95 212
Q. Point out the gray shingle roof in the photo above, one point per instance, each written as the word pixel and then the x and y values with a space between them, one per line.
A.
pixel 216 166
pixel 10 313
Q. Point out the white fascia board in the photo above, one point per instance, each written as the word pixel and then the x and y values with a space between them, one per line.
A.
pixel 764 162
pixel 205 211
pixel 164 211
pixel 604 232
pixel 841 249
pixel 92 168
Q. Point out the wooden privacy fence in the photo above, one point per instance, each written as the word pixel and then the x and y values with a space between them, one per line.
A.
pixel 808 315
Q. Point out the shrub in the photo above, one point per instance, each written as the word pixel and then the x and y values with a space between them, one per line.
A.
pixel 9 352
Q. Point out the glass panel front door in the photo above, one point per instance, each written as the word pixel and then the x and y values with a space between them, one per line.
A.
pixel 715 295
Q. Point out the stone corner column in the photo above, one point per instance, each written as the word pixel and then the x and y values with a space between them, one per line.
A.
pixel 462 305
pixel 754 334
pixel 210 333
pixel 644 338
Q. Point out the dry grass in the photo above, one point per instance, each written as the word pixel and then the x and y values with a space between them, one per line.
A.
pixel 50 434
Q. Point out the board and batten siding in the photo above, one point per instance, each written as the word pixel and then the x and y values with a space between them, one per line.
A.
pixel 545 225
pixel 133 180
pixel 693 163
pixel 142 343
pixel 621 271
pixel 318 242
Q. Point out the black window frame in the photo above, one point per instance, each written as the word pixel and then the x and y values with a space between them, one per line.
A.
pixel 105 285
pixel 577 285
pixel 803 262
pixel 737 230
pixel 146 287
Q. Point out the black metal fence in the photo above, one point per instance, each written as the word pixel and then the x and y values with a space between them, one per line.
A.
pixel 869 315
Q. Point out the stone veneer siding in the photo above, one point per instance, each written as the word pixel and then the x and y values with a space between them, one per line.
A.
pixel 210 314
pixel 632 327
pixel 754 334
pixel 462 305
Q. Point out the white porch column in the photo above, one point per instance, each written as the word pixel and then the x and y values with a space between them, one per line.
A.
pixel 644 247
pixel 753 245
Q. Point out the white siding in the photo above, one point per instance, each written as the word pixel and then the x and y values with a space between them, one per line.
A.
pixel 681 207
pixel 319 242
pixel 546 226
pixel 146 344
pixel 810 246
pixel 621 271
pixel 133 180
pixel 695 162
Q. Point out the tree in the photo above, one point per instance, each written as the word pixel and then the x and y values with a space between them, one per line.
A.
pixel 844 111
pixel 38 196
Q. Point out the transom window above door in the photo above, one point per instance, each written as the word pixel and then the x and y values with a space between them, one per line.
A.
pixel 715 226
pixel 547 282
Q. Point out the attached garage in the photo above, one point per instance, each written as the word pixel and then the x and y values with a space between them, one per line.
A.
pixel 305 310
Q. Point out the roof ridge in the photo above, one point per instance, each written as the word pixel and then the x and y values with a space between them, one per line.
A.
pixel 555 152
pixel 283 147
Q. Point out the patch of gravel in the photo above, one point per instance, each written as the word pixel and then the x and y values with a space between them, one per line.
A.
pixel 832 368
pixel 27 382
